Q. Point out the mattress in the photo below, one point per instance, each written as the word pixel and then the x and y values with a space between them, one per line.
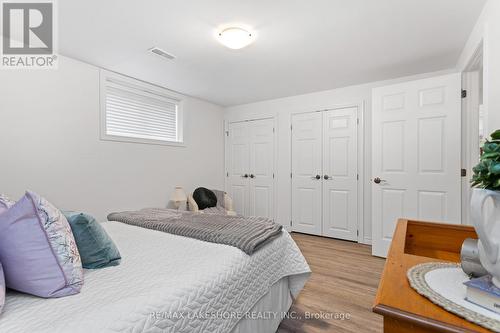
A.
pixel 267 314
pixel 166 283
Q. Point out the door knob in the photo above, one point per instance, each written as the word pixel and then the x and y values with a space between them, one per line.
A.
pixel 326 177
pixel 377 180
pixel 252 175
pixel 245 176
pixel 318 177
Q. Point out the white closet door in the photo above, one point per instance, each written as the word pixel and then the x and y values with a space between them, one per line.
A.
pixel 340 197
pixel 261 169
pixel 306 172
pixel 416 155
pixel 239 166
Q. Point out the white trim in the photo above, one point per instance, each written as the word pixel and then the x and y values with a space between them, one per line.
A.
pixel 475 39
pixel 251 117
pixel 334 107
pixel 106 77
pixel 361 172
pixel 470 129
pixel 476 60
pixel 275 166
pixel 225 128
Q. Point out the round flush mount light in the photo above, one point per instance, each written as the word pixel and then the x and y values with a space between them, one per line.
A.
pixel 235 38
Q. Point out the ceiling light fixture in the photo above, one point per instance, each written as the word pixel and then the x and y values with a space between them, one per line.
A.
pixel 235 38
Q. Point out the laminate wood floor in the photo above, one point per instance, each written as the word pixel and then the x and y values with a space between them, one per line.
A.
pixel 344 281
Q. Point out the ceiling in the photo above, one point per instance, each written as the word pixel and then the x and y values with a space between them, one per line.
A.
pixel 301 46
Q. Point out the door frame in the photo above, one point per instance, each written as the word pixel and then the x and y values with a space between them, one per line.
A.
pixel 470 121
pixel 361 106
pixel 275 153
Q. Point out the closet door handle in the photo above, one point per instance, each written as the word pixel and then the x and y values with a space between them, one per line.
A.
pixel 252 175
pixel 318 177
pixel 245 175
pixel 326 177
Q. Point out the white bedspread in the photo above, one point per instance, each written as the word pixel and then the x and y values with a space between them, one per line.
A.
pixel 166 283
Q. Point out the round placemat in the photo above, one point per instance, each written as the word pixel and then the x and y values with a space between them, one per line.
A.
pixel 417 278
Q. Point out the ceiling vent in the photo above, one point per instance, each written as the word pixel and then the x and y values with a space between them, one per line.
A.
pixel 161 53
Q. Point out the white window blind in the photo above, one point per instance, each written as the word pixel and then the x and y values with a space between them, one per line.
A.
pixel 134 112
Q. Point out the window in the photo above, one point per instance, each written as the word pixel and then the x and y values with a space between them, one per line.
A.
pixel 135 111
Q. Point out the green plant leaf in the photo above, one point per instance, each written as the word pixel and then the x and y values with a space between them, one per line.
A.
pixel 495 169
pixel 496 135
pixel 481 167
pixel 490 156
pixel 490 147
pixel 486 174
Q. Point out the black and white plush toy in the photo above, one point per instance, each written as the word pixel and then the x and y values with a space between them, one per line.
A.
pixel 205 198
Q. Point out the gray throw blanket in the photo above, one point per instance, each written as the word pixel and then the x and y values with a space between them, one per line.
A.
pixel 246 233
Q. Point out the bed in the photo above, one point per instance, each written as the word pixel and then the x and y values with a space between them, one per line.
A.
pixel 169 283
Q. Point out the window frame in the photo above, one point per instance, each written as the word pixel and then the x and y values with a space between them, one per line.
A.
pixel 109 78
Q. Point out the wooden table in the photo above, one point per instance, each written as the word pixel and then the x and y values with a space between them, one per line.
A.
pixel 404 310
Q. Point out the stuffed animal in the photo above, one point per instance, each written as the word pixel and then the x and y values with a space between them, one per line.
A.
pixel 204 198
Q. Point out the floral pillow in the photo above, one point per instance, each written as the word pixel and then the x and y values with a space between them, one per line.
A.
pixel 38 250
pixel 5 203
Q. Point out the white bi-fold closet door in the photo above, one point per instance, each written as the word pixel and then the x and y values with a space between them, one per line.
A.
pixel 250 166
pixel 416 155
pixel 325 173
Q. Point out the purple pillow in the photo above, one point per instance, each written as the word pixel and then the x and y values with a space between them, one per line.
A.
pixel 38 250
pixel 5 203
pixel 2 288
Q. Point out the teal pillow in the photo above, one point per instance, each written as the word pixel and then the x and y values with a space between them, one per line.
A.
pixel 96 248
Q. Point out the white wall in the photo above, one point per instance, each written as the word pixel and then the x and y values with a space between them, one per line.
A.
pixel 49 135
pixel 283 108
pixel 487 31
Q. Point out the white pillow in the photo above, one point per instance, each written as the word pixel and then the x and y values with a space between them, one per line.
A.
pixel 192 205
pixel 228 202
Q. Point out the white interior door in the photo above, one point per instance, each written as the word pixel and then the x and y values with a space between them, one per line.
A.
pixel 306 172
pixel 340 173
pixel 238 168
pixel 416 155
pixel 261 171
